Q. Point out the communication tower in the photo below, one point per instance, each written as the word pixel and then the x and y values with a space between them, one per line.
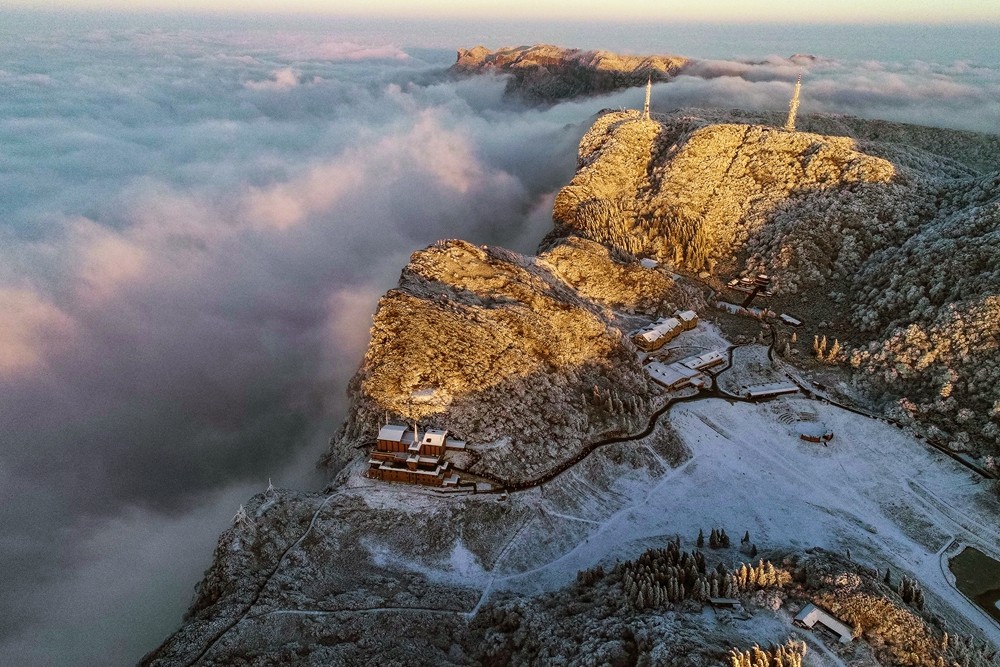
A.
pixel 649 89
pixel 793 107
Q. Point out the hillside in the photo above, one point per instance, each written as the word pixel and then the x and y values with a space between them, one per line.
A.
pixel 575 538
pixel 358 573
pixel 496 346
pixel 893 257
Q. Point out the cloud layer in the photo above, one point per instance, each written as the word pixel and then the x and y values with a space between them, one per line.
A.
pixel 959 95
pixel 195 235
pixel 195 227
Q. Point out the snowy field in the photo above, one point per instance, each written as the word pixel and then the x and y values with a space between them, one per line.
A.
pixel 873 494
pixel 873 491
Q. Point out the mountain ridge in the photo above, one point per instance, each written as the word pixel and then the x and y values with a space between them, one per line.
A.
pixel 545 74
pixel 528 358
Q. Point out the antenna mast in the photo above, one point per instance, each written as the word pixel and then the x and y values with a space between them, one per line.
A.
pixel 649 89
pixel 793 107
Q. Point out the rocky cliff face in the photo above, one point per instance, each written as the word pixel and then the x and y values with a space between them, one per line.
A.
pixel 500 347
pixel 545 73
pixel 693 193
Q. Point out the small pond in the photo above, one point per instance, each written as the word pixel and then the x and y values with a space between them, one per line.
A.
pixel 978 576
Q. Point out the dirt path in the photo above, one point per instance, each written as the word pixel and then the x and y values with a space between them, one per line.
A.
pixel 267 581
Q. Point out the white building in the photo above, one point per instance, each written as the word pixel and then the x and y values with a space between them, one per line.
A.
pixel 673 376
pixel 769 390
pixel 700 362
pixel 657 334
pixel 688 319
pixel 812 615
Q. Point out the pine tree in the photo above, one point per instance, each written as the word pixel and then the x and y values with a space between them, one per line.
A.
pixel 700 543
pixel 724 539
pixel 746 538
pixel 771 575
pixel 753 550
pixel 834 351
pixel 713 540
pixel 887 580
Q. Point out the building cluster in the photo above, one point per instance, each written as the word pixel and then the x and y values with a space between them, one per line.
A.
pixel 662 331
pixel 403 454
pixel 761 283
pixel 689 371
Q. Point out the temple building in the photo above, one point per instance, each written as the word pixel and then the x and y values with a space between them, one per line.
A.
pixel 403 454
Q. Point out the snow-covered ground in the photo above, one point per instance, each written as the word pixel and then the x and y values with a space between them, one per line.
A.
pixel 873 491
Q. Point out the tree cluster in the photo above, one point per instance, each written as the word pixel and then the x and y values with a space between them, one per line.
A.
pixel 717 539
pixel 821 352
pixel 911 593
pixel 788 654
pixel 669 575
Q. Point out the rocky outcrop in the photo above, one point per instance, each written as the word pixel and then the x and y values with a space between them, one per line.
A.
pixel 887 243
pixel 544 73
pixel 693 193
pixel 500 347
pixel 526 358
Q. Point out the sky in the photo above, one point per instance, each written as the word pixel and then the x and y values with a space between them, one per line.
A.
pixel 197 219
pixel 846 11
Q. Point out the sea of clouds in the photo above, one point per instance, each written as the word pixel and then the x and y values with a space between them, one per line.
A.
pixel 195 228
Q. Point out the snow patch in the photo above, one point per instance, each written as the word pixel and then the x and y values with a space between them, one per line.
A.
pixel 464 562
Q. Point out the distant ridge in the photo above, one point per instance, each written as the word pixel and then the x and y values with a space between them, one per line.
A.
pixel 545 73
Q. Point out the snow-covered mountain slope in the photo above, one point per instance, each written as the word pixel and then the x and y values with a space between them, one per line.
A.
pixel 887 247
pixel 588 471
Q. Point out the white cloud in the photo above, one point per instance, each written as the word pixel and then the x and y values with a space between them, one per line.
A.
pixel 281 79
pixel 29 327
pixel 349 52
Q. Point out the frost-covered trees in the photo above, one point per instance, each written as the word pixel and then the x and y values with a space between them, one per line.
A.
pixel 788 654
pixel 903 248
pixel 660 577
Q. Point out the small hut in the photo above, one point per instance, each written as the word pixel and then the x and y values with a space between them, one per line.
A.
pixel 815 432
pixel 811 616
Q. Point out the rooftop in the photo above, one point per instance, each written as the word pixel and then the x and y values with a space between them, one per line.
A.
pixel 392 432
